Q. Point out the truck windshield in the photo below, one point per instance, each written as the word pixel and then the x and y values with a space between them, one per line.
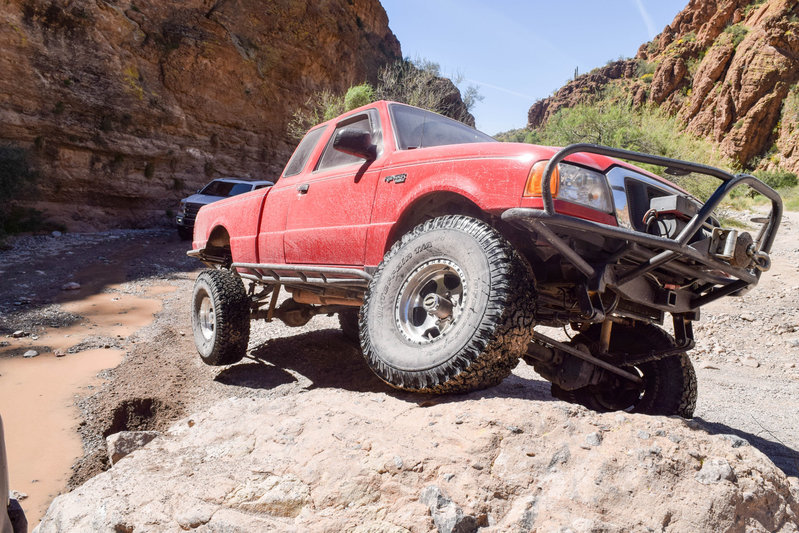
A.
pixel 226 188
pixel 417 128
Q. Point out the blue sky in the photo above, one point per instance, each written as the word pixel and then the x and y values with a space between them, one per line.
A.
pixel 517 52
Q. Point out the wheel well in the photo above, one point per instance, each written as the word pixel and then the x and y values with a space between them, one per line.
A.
pixel 432 206
pixel 446 203
pixel 218 243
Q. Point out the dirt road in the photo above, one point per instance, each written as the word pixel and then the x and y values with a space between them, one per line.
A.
pixel 745 356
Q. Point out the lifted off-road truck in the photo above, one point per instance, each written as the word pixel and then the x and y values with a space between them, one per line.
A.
pixel 441 250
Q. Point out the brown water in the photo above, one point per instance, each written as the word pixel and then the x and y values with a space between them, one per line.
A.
pixel 37 395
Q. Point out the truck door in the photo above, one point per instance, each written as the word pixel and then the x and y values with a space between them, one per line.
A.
pixel 329 214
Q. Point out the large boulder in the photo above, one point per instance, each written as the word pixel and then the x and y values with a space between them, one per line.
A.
pixel 337 460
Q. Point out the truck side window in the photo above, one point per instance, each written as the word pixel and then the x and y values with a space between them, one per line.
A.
pixel 332 157
pixel 303 152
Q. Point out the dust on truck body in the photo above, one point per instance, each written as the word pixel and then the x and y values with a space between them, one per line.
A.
pixel 442 250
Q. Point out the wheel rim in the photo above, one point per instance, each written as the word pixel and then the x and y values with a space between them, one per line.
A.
pixel 625 397
pixel 430 301
pixel 206 317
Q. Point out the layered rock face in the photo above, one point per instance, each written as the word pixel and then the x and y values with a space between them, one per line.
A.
pixel 729 69
pixel 337 460
pixel 125 107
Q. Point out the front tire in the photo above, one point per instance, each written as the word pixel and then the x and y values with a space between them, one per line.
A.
pixel 220 317
pixel 669 384
pixel 450 308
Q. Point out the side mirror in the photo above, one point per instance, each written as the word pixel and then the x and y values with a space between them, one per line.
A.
pixel 355 142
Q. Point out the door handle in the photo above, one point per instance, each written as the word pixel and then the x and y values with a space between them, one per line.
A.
pixel 302 189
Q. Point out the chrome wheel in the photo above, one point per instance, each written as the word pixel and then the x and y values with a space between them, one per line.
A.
pixel 206 317
pixel 430 301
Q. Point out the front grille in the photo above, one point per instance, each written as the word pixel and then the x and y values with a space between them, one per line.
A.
pixel 191 212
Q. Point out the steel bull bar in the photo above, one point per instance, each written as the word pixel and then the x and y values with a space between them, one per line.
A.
pixel 661 250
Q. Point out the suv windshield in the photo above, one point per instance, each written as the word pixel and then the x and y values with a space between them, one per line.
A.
pixel 225 188
pixel 417 128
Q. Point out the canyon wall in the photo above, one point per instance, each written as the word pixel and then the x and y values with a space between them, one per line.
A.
pixel 124 107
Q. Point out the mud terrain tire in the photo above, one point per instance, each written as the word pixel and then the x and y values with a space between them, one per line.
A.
pixel 464 267
pixel 669 384
pixel 220 317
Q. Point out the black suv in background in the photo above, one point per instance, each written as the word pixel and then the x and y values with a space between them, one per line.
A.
pixel 216 190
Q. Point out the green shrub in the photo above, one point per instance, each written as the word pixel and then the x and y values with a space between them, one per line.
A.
pixel 737 32
pixel 419 83
pixel 777 179
pixel 612 121
pixel 358 96
pixel 512 136
pixel 416 82
pixel 18 180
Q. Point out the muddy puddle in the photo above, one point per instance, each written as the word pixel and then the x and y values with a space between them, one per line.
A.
pixel 38 394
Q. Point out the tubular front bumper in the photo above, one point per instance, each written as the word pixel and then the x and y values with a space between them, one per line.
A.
pixel 649 252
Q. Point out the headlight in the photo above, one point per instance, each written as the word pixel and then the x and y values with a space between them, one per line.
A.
pixel 573 184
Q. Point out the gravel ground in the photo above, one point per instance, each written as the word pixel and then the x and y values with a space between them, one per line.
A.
pixel 745 356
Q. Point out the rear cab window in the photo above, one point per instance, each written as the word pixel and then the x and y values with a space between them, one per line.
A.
pixel 417 128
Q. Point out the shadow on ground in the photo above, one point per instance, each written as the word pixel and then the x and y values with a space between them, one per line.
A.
pixel 786 459
pixel 328 360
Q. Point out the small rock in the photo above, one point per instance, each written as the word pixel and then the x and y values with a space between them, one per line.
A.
pixel 125 442
pixel 17 495
pixel 30 353
pixel 71 286
pixel 56 233
pixel 560 457
pixel 514 429
pixel 676 439
pixel 714 471
pixel 398 462
pixel 593 439
pixel 747 317
pixel 708 366
pixel 448 477
pixel 447 516
pixel 3 344
pixel 19 333
pixel 643 435
pixel 794 343
pixel 750 362
pixel 59 353
pixel 182 333
pixel 788 366
pixel 735 440
pixel 35 337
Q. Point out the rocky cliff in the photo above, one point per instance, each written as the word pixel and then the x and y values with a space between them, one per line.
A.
pixel 126 106
pixel 729 69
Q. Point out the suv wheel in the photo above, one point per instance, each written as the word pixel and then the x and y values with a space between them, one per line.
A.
pixel 449 309
pixel 669 384
pixel 220 317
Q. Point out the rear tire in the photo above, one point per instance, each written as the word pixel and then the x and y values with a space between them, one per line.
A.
pixel 477 316
pixel 220 317
pixel 669 386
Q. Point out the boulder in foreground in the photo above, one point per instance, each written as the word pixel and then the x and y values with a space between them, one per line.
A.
pixel 348 461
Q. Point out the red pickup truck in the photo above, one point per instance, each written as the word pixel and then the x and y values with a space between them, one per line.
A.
pixel 441 250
